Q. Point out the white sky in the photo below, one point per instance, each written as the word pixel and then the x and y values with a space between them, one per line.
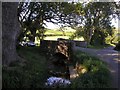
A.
pixel 51 25
pixel 115 23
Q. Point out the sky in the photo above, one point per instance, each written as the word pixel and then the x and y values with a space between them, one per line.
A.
pixel 51 25
pixel 116 23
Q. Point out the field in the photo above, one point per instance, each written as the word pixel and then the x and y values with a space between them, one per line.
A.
pixel 55 34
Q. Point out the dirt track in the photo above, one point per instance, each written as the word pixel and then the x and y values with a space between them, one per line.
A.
pixel 109 56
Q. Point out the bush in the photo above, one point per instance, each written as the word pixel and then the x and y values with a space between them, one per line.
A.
pixel 97 75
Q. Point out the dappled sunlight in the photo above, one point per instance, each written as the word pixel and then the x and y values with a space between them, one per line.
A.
pixel 110 56
pixel 55 37
pixel 65 37
pixel 72 76
pixel 114 54
pixel 73 73
pixel 40 43
pixel 117 59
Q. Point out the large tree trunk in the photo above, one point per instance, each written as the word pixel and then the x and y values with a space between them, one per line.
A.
pixel 10 30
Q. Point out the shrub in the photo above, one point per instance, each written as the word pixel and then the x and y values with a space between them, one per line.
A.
pixel 97 75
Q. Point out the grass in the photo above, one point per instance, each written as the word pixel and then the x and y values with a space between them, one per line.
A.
pixel 34 73
pixel 55 37
pixel 31 75
pixel 65 37
pixel 97 75
pixel 58 33
pixel 99 46
pixel 55 34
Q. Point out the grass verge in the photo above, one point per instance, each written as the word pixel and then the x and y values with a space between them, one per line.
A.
pixel 97 74
pixel 99 46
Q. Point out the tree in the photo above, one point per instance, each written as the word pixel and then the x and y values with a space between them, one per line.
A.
pixel 97 18
pixel 10 32
pixel 101 22
pixel 33 15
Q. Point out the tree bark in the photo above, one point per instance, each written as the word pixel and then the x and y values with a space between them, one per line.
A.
pixel 10 31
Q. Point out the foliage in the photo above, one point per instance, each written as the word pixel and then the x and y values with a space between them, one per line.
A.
pixel 79 33
pixel 116 38
pixel 32 75
pixel 117 46
pixel 97 75
pixel 96 22
pixel 33 15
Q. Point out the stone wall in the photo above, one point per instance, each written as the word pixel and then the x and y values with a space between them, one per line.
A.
pixel 48 46
pixel 81 43
pixel 63 46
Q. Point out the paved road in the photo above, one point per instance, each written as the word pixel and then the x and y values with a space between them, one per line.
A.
pixel 109 56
